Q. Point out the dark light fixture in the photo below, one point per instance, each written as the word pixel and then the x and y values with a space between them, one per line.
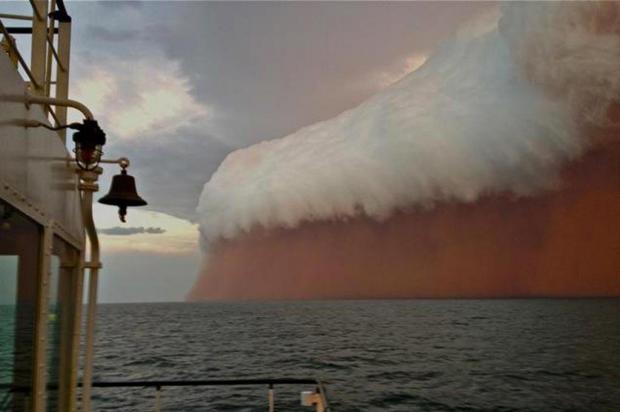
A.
pixel 123 193
pixel 89 140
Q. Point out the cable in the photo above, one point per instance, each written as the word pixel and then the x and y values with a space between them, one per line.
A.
pixel 74 126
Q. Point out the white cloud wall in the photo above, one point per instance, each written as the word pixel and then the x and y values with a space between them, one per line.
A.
pixel 495 111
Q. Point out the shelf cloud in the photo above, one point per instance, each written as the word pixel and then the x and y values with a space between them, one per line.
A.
pixel 492 111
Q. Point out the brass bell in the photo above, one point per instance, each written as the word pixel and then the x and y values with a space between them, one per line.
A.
pixel 123 194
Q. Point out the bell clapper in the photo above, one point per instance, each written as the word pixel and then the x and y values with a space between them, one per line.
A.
pixel 122 212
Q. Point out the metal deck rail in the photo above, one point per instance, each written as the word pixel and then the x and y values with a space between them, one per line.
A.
pixel 316 398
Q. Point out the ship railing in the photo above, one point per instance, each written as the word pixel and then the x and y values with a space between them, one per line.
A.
pixel 316 398
pixel 48 71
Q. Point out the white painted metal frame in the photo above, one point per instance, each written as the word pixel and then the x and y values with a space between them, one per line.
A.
pixel 50 228
pixel 40 75
pixel 44 53
pixel 88 185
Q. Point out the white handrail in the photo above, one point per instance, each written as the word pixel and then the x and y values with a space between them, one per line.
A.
pixel 29 99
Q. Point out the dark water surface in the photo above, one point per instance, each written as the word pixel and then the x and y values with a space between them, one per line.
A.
pixel 404 355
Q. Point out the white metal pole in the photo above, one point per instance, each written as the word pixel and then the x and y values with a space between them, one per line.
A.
pixel 91 313
pixel 157 399
pixel 39 381
pixel 38 56
pixel 88 185
pixel 77 329
pixel 271 399
pixel 50 26
pixel 62 74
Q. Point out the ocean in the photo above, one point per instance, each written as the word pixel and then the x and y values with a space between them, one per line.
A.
pixel 391 355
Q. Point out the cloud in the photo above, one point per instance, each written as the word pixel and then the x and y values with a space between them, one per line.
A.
pixel 388 76
pixel 499 112
pixel 127 231
pixel 116 5
pixel 117 35
pixel 179 97
pixel 138 96
pixel 272 68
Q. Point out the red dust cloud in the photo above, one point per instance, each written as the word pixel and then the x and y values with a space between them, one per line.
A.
pixel 562 243
pixel 495 178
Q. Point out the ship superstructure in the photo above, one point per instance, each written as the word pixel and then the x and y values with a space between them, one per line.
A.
pixel 42 215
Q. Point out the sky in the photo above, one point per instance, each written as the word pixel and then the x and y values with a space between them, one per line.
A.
pixel 179 85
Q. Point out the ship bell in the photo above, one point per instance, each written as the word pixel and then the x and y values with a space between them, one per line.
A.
pixel 123 194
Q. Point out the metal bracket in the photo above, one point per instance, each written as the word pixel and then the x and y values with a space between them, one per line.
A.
pixel 92 265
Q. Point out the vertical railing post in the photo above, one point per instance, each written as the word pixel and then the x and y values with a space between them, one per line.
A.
pixel 62 72
pixel 88 185
pixel 78 272
pixel 91 313
pixel 40 358
pixel 270 395
pixel 38 56
pixel 157 399
pixel 51 24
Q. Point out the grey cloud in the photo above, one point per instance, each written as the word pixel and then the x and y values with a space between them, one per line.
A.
pixel 115 4
pixel 117 35
pixel 266 68
pixel 275 67
pixel 127 231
